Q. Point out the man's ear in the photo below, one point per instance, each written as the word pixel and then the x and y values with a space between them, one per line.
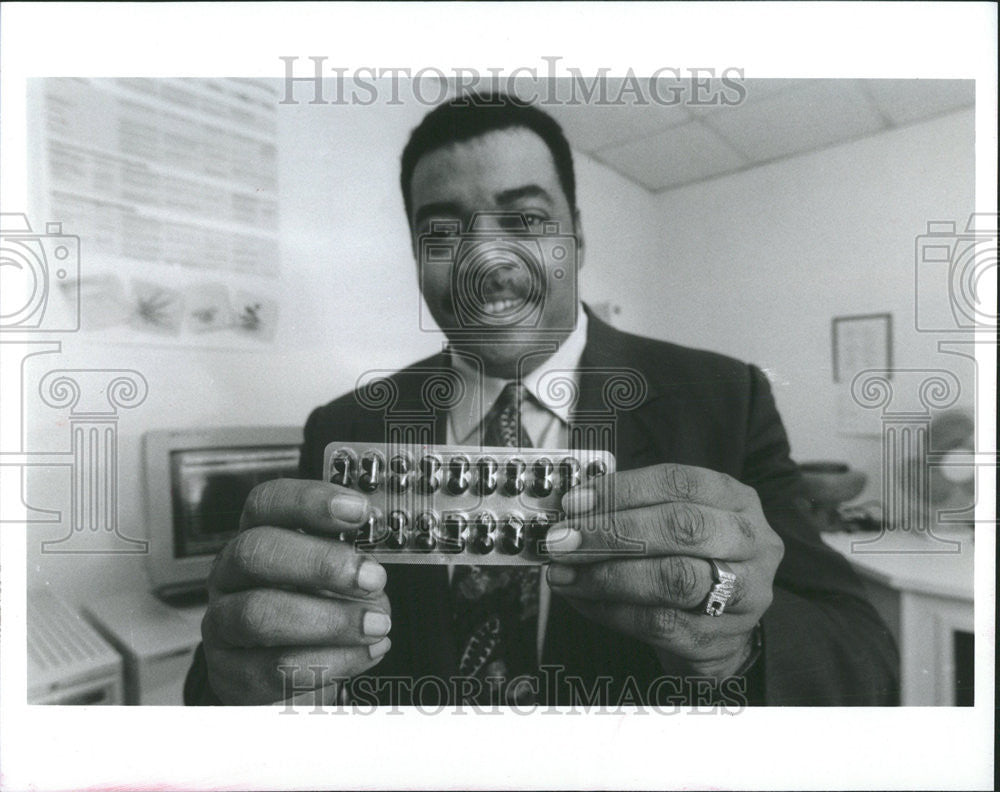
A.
pixel 414 244
pixel 580 243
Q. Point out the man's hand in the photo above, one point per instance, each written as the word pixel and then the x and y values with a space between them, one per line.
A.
pixel 286 593
pixel 633 554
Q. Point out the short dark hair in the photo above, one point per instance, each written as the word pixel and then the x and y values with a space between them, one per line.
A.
pixel 471 115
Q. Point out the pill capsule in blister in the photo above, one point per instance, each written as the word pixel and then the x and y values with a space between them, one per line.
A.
pixel 541 485
pixel 569 473
pixel 597 468
pixel 482 532
pixel 372 532
pixel 453 533
pixel 397 524
pixel 371 472
pixel 538 527
pixel 458 474
pixel 341 470
pixel 512 535
pixel 426 526
pixel 514 471
pixel 487 469
pixel 430 474
pixel 399 469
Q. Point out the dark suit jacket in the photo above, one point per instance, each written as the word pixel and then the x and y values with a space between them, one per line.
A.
pixel 823 643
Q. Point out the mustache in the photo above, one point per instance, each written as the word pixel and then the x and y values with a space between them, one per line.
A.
pixel 501 282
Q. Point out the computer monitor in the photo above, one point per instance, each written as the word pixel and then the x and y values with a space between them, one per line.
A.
pixel 196 481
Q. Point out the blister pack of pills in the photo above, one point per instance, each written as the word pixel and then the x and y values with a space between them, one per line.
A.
pixel 452 504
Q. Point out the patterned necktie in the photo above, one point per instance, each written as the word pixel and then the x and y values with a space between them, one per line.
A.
pixel 496 607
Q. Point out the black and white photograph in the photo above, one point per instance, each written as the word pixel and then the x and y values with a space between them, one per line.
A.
pixel 404 396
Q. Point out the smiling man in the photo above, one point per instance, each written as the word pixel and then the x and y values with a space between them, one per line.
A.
pixel 733 597
pixel 502 185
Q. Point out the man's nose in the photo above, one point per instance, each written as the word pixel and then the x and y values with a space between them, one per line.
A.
pixel 500 277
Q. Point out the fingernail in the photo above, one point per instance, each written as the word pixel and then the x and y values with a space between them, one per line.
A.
pixel 562 539
pixel 371 576
pixel 348 507
pixel 376 650
pixel 559 575
pixel 579 500
pixel 375 623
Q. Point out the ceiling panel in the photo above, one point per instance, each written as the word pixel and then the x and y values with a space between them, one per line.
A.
pixel 905 101
pixel 661 147
pixel 600 111
pixel 679 155
pixel 756 89
pixel 592 127
pixel 790 122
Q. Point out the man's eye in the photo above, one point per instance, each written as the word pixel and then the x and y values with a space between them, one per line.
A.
pixel 534 220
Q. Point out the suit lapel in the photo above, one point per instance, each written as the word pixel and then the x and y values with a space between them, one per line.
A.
pixel 617 402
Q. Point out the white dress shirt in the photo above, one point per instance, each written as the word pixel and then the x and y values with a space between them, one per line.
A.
pixel 544 417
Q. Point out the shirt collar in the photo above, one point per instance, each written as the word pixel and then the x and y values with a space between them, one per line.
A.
pixel 481 391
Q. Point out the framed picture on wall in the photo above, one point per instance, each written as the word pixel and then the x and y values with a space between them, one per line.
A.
pixel 860 342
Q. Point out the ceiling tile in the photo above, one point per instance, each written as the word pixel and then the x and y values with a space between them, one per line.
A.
pixel 676 156
pixel 755 89
pixel 816 115
pixel 904 101
pixel 761 87
pixel 590 126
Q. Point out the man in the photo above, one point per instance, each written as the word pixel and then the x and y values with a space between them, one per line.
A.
pixel 704 487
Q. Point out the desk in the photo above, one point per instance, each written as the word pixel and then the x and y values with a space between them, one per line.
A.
pixel 155 640
pixel 924 591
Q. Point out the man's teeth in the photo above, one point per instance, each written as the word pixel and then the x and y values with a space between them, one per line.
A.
pixel 499 306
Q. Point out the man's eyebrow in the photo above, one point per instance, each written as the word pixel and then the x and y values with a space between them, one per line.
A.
pixel 437 210
pixel 527 191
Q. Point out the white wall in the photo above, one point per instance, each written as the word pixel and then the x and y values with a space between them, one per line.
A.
pixel 756 265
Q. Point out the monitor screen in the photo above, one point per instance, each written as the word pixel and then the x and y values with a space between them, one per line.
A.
pixel 209 486
pixel 196 481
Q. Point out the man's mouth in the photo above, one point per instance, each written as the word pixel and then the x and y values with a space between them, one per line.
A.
pixel 504 290
pixel 495 291
pixel 501 305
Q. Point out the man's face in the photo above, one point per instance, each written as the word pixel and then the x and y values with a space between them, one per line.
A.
pixel 511 171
